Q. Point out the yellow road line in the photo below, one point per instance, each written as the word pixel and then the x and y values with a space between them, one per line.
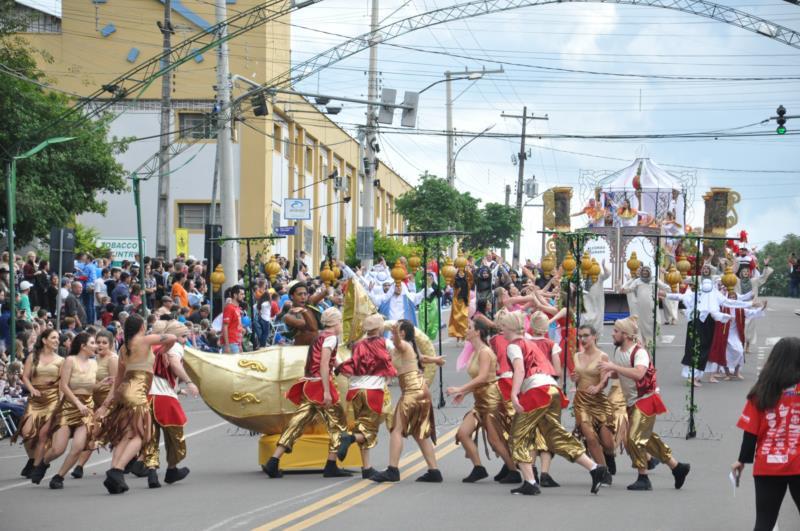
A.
pixel 361 485
pixel 347 504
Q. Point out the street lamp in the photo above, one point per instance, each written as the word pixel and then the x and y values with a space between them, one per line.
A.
pixel 468 142
pixel 11 197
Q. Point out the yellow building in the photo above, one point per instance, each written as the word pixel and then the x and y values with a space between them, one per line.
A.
pixel 287 154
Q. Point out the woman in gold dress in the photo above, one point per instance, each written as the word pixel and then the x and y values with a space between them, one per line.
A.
pixel 459 310
pixel 413 414
pixel 129 426
pixel 489 411
pixel 40 376
pixel 107 361
pixel 594 416
pixel 73 417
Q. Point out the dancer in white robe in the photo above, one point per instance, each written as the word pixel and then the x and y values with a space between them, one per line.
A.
pixel 644 292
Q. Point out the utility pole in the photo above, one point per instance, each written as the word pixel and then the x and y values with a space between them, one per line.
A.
pixel 508 202
pixel 162 234
pixel 521 176
pixel 230 249
pixel 371 130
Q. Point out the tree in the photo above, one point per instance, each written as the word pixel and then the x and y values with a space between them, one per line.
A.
pixel 65 179
pixel 389 248
pixel 496 226
pixel 778 253
pixel 86 240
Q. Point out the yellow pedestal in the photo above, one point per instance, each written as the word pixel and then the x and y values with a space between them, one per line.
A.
pixel 309 452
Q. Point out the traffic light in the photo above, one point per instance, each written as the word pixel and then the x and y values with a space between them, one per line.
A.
pixel 781 120
pixel 259 103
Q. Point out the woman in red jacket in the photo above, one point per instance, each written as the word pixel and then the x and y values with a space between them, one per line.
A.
pixel 771 424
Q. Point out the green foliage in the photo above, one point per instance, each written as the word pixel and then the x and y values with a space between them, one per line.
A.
pixel 778 283
pixel 433 205
pixel 86 240
pixel 64 180
pixel 389 248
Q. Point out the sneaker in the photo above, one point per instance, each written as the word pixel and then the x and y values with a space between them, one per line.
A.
pixel 500 475
pixel 57 482
pixel 174 475
pixel 38 472
pixel 652 463
pixel 611 464
pixel 272 468
pixel 642 483
pixel 77 472
pixel 115 481
pixel 391 474
pixel 27 469
pixel 527 489
pixel 680 472
pixel 477 474
pixel 608 479
pixel 433 475
pixel 597 478
pixel 344 445
pixel 512 478
pixel 548 481
pixel 152 479
pixel 333 471
pixel 367 473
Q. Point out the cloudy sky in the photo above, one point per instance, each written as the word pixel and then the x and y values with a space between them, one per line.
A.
pixel 540 48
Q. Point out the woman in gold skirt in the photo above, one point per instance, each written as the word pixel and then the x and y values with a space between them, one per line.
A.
pixel 129 426
pixel 594 417
pixel 413 414
pixel 104 378
pixel 40 376
pixel 489 410
pixel 73 417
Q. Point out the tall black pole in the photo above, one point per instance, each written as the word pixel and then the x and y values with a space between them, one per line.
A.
pixel 425 280
pixel 654 281
pixel 439 309
pixel 252 312
pixel 692 431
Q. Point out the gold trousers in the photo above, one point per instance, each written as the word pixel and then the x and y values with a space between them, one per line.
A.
pixel 366 421
pixel 642 440
pixel 547 420
pixel 174 442
pixel 620 415
pixel 332 416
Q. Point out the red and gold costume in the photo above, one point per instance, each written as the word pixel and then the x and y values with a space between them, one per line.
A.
pixel 368 369
pixel 308 394
pixel 167 412
pixel 40 409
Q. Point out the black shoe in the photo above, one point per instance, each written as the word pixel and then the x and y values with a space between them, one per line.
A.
pixel 367 473
pixel 333 471
pixel 115 481
pixel 512 478
pixel 536 474
pixel 433 476
pixel 77 472
pixel 344 445
pixel 608 479
pixel 503 472
pixel 642 483
pixel 526 489
pixel 152 479
pixel 597 478
pixel 174 475
pixel 56 482
pixel 680 472
pixel 272 468
pixel 611 464
pixel 548 481
pixel 130 465
pixel 38 472
pixel 138 469
pixel 27 469
pixel 477 474
pixel 391 474
pixel 652 463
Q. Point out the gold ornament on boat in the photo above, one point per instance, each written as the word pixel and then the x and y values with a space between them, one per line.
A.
pixel 673 278
pixel 252 364
pixel 634 264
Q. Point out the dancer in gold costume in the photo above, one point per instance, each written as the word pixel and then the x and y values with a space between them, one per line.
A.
pixel 315 395
pixel 413 414
pixel 459 311
pixel 107 361
pixel 40 376
pixel 73 417
pixel 129 426
pixel 489 410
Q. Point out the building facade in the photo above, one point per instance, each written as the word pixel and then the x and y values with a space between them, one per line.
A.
pixel 295 151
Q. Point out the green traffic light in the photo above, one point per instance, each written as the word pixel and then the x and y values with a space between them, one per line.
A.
pixel 781 130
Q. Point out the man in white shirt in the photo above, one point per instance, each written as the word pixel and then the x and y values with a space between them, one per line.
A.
pixel 631 364
pixel 100 291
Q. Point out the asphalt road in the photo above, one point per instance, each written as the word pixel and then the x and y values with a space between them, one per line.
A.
pixel 227 490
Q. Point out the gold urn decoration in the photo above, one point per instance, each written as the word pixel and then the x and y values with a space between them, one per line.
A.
pixel 674 278
pixel 337 273
pixel 729 279
pixel 548 264
pixel 449 271
pixel 398 272
pixel 273 268
pixel 414 262
pixel 586 264
pixel 634 264
pixel 327 275
pixel 683 266
pixel 569 265
pixel 217 278
pixel 594 270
